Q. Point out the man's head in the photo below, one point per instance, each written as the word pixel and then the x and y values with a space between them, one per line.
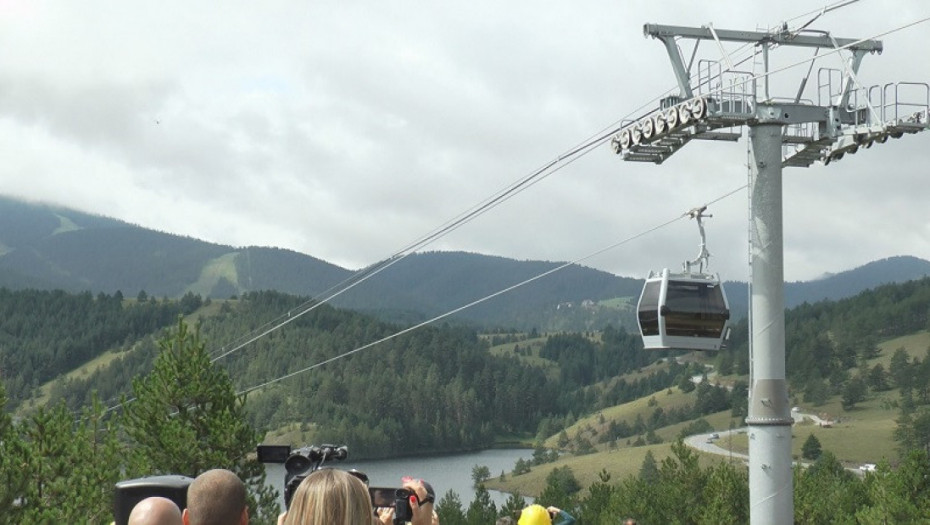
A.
pixel 216 497
pixel 155 510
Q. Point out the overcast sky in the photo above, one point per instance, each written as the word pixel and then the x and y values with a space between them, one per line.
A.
pixel 345 130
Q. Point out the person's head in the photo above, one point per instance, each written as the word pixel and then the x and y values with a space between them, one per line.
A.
pixel 216 497
pixel 330 497
pixel 535 515
pixel 155 510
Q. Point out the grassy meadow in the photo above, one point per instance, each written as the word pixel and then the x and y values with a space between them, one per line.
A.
pixel 862 434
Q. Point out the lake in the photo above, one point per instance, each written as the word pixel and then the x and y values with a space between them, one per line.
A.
pixel 444 473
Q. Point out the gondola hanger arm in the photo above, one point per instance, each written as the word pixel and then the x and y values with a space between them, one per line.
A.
pixel 703 258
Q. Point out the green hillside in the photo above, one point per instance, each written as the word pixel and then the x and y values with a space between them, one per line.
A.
pixel 596 406
pixel 859 434
pixel 604 393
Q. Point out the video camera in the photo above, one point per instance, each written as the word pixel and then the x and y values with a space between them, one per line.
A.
pixel 399 499
pixel 300 463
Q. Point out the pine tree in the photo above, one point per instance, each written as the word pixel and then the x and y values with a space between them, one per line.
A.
pixel 595 507
pixel 826 492
pixel 12 478
pixel 482 510
pixel 853 392
pixel 674 496
pixel 480 474
pixel 811 448
pixel 102 453
pixel 649 471
pixel 684 482
pixel 186 419
pixel 449 509
pixel 515 503
pixel 726 496
pixel 69 467
pixel 900 369
pixel 522 466
pixel 900 496
pixel 561 489
pixel 878 378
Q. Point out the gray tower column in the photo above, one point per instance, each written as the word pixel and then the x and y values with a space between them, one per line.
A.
pixel 825 133
pixel 771 497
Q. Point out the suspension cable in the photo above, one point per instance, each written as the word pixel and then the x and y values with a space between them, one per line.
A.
pixel 485 298
pixel 520 185
pixel 471 213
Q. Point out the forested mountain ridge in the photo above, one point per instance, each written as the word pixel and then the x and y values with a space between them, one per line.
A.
pixel 47 247
pixel 437 389
pixel 44 334
pixel 850 283
pixel 442 388
pixel 823 342
pixel 433 283
pixel 837 286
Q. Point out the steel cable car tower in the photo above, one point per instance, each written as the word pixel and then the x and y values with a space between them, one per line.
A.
pixel 782 132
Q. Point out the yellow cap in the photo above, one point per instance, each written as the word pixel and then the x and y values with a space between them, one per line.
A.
pixel 535 515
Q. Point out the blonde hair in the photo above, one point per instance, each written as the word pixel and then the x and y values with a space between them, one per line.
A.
pixel 330 497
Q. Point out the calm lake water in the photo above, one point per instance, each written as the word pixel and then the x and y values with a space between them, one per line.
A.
pixel 444 473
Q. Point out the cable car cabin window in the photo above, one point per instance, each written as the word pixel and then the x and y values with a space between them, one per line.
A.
pixel 649 308
pixel 695 309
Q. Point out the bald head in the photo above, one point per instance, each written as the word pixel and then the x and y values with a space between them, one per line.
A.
pixel 155 511
pixel 216 497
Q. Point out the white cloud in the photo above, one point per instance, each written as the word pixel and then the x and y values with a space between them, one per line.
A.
pixel 346 130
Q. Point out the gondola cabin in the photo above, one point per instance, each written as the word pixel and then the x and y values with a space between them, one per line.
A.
pixel 687 311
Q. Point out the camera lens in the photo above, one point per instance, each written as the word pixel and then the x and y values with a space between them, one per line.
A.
pixel 297 464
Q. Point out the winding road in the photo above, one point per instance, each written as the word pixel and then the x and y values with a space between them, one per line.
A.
pixel 715 442
pixel 712 441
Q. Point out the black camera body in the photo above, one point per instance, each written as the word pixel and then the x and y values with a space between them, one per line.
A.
pixel 399 499
pixel 393 497
pixel 299 463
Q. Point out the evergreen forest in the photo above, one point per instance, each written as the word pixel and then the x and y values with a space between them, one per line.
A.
pixel 170 372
